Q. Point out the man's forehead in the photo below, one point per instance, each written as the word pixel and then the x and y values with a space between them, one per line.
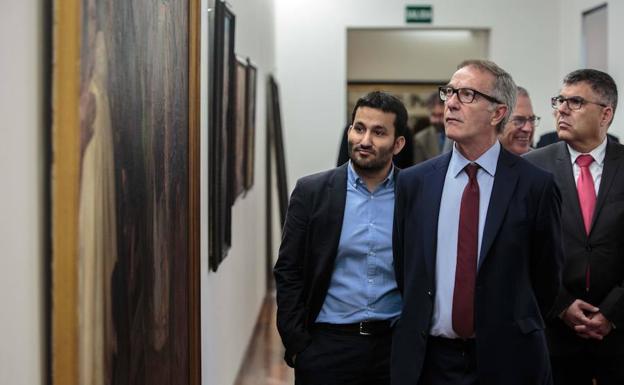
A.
pixel 471 76
pixel 577 89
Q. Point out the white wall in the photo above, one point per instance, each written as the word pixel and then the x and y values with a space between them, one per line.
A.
pixel 311 60
pixel 405 54
pixel 231 297
pixel 21 194
pixel 571 37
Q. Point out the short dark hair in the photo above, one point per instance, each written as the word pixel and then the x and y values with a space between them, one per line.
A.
pixel 380 100
pixel 600 82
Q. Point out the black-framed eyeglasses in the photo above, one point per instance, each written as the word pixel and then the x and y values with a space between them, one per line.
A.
pixel 520 121
pixel 573 102
pixel 465 95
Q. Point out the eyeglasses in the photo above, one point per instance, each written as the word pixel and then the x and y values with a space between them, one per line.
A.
pixel 465 95
pixel 574 102
pixel 520 121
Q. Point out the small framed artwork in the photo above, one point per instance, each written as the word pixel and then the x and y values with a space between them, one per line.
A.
pixel 275 127
pixel 250 126
pixel 237 152
pixel 220 133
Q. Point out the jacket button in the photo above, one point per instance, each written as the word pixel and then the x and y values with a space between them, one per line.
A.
pixel 423 334
pixel 429 293
pixel 588 248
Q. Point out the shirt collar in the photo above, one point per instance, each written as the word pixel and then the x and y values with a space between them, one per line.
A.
pixel 354 179
pixel 597 153
pixel 487 161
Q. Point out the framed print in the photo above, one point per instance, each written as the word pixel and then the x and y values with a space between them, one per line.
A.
pixel 250 126
pixel 220 133
pixel 238 149
pixel 124 305
pixel 275 126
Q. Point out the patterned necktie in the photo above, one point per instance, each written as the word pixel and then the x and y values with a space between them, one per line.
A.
pixel 587 199
pixel 467 245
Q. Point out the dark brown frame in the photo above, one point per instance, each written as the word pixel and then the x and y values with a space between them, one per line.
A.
pixel 275 127
pixel 250 128
pixel 237 150
pixel 221 125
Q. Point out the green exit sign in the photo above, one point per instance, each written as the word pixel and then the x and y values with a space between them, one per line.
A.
pixel 418 13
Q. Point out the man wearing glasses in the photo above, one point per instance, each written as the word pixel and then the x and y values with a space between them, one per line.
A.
pixel 585 337
pixel 477 249
pixel 517 136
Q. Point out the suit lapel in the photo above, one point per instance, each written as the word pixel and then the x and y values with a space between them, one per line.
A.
pixel 336 198
pixel 610 168
pixel 432 196
pixel 505 181
pixel 567 186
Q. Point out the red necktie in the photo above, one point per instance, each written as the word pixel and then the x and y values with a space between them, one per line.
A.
pixel 467 245
pixel 586 191
pixel 587 199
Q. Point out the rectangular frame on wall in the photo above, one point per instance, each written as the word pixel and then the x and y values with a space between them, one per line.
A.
pixel 237 150
pixel 182 356
pixel 220 129
pixel 250 127
pixel 275 127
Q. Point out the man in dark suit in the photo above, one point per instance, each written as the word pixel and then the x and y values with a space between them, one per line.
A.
pixel 586 339
pixel 336 291
pixel 476 247
pixel 553 137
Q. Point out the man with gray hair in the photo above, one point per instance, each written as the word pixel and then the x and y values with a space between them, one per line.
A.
pixel 477 249
pixel 585 336
pixel 517 136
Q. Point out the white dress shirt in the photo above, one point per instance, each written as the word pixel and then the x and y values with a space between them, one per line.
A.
pixel 595 167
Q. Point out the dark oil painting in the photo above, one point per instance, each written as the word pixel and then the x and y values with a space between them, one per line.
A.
pixel 133 259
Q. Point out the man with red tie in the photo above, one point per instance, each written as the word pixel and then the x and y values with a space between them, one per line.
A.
pixel 477 249
pixel 586 338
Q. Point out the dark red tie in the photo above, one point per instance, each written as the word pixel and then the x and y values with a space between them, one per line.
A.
pixel 467 250
pixel 587 199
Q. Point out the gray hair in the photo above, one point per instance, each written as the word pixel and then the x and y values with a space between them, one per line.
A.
pixel 523 92
pixel 504 88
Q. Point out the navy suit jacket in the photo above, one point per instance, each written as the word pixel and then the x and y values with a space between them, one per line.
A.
pixel 519 270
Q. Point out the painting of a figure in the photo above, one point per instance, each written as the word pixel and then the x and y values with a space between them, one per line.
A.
pixel 132 260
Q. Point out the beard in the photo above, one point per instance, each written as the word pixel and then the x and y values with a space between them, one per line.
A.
pixel 376 161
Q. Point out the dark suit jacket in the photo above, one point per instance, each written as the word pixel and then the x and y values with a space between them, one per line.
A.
pixel 553 137
pixel 518 274
pixel 307 254
pixel 603 248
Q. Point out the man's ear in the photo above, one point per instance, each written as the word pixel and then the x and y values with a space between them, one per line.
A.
pixel 607 116
pixel 499 114
pixel 399 143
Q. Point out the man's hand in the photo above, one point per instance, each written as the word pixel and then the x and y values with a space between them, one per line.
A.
pixel 578 313
pixel 598 327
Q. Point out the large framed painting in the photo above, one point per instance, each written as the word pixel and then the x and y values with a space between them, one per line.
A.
pixel 220 132
pixel 250 126
pixel 276 133
pixel 124 303
pixel 237 151
pixel 413 95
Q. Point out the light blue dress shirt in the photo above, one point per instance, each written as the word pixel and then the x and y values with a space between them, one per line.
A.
pixel 448 225
pixel 363 286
